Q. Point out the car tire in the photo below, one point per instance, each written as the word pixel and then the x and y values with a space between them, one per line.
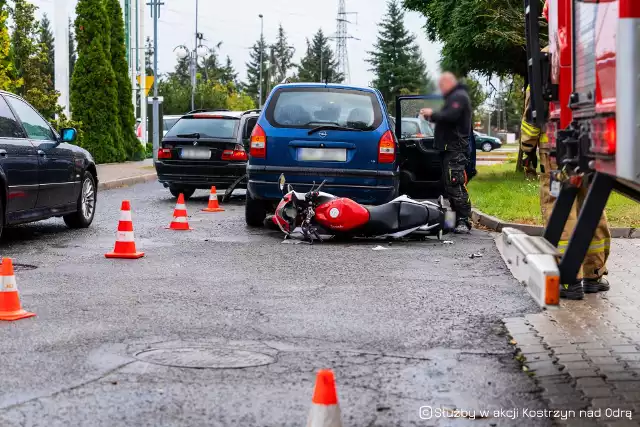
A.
pixel 83 216
pixel 255 212
pixel 186 192
pixel 486 147
pixel 1 215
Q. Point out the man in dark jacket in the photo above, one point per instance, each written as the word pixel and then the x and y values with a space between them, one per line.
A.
pixel 453 125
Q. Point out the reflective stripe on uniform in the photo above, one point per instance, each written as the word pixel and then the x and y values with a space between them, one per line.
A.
pixel 529 129
pixel 544 139
pixel 596 246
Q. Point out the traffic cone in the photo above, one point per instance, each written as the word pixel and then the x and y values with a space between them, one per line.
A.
pixel 213 202
pixel 125 244
pixel 10 308
pixel 179 221
pixel 325 411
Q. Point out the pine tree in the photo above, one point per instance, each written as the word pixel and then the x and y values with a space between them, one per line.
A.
pixel 229 74
pixel 283 54
pixel 396 60
pixel 148 56
pixel 135 150
pixel 47 40
pixel 31 60
pixel 7 70
pixel 252 87
pixel 319 65
pixel 94 94
pixel 72 48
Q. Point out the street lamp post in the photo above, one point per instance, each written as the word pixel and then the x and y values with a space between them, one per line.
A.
pixel 261 52
pixel 200 51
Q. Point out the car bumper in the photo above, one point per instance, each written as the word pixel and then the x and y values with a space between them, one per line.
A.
pixel 200 176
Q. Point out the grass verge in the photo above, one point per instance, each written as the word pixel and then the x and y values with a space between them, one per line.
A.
pixel 500 191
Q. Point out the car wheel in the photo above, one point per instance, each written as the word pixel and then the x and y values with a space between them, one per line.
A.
pixel 254 212
pixel 486 147
pixel 1 216
pixel 186 192
pixel 83 217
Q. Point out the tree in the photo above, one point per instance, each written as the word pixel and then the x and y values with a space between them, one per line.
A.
pixel 148 56
pixel 7 70
pixel 127 120
pixel 72 48
pixel 319 64
pixel 228 73
pixel 477 94
pixel 396 60
pixel 486 36
pixel 31 60
pixel 252 87
pixel 283 55
pixel 47 40
pixel 94 93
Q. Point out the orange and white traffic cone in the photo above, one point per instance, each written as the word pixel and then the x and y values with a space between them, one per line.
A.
pixel 10 308
pixel 213 202
pixel 325 411
pixel 179 221
pixel 125 244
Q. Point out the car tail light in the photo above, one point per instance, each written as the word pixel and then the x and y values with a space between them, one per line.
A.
pixel 258 143
pixel 387 148
pixel 164 153
pixel 603 136
pixel 238 154
pixel 552 134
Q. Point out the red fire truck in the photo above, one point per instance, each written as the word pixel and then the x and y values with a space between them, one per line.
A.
pixel 586 92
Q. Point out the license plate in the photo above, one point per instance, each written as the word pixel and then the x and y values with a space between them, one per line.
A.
pixel 322 154
pixel 195 153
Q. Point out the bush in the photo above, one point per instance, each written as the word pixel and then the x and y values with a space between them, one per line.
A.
pixel 149 150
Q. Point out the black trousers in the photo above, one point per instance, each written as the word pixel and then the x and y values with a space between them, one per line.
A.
pixel 455 182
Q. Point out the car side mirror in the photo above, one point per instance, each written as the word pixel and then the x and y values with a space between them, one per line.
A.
pixel 68 135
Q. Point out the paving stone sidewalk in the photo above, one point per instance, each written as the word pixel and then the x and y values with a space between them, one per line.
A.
pixel 114 175
pixel 586 355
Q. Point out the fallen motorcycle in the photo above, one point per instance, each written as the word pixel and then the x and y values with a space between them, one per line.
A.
pixel 317 215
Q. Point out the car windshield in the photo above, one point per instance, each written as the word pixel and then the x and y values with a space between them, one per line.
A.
pixel 168 123
pixel 206 127
pixel 313 107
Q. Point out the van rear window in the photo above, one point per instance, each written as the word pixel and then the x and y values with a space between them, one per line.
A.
pixel 311 107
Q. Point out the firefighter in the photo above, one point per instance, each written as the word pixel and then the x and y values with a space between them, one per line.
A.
pixel 590 277
pixel 453 124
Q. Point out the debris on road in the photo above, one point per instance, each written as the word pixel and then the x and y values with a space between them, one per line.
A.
pixel 473 256
pixel 447 242
pixel 380 248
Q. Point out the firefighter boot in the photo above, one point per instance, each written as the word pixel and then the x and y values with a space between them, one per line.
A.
pixel 591 286
pixel 572 292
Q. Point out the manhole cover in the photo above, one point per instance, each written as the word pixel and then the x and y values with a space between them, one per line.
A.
pixel 23 267
pixel 205 358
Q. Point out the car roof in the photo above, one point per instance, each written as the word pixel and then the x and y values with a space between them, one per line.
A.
pixel 326 85
pixel 230 114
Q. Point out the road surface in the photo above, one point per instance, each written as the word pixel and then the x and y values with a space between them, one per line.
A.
pixel 227 326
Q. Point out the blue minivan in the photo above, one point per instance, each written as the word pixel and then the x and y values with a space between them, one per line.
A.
pixel 313 132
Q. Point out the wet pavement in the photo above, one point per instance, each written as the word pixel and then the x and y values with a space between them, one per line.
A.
pixel 226 326
pixel 586 356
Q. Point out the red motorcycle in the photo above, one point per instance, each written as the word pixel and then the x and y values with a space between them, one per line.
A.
pixel 317 215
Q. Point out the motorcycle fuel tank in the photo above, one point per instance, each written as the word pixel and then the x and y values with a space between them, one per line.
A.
pixel 341 214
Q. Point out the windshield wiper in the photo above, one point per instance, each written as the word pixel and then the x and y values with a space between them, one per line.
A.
pixel 195 135
pixel 333 127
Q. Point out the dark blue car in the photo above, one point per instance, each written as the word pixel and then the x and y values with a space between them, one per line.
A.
pixel 315 132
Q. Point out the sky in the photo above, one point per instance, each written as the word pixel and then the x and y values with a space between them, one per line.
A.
pixel 237 25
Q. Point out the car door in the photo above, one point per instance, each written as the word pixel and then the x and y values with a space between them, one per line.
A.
pixel 19 163
pixel 58 183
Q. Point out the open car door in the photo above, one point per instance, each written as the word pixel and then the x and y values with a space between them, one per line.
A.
pixel 419 160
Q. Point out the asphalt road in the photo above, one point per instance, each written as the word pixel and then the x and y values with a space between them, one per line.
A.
pixel 142 343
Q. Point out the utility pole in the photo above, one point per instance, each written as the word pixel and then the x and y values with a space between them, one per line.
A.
pixel 143 73
pixel 321 63
pixel 261 59
pixel 194 64
pixel 61 60
pixel 132 50
pixel 155 13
